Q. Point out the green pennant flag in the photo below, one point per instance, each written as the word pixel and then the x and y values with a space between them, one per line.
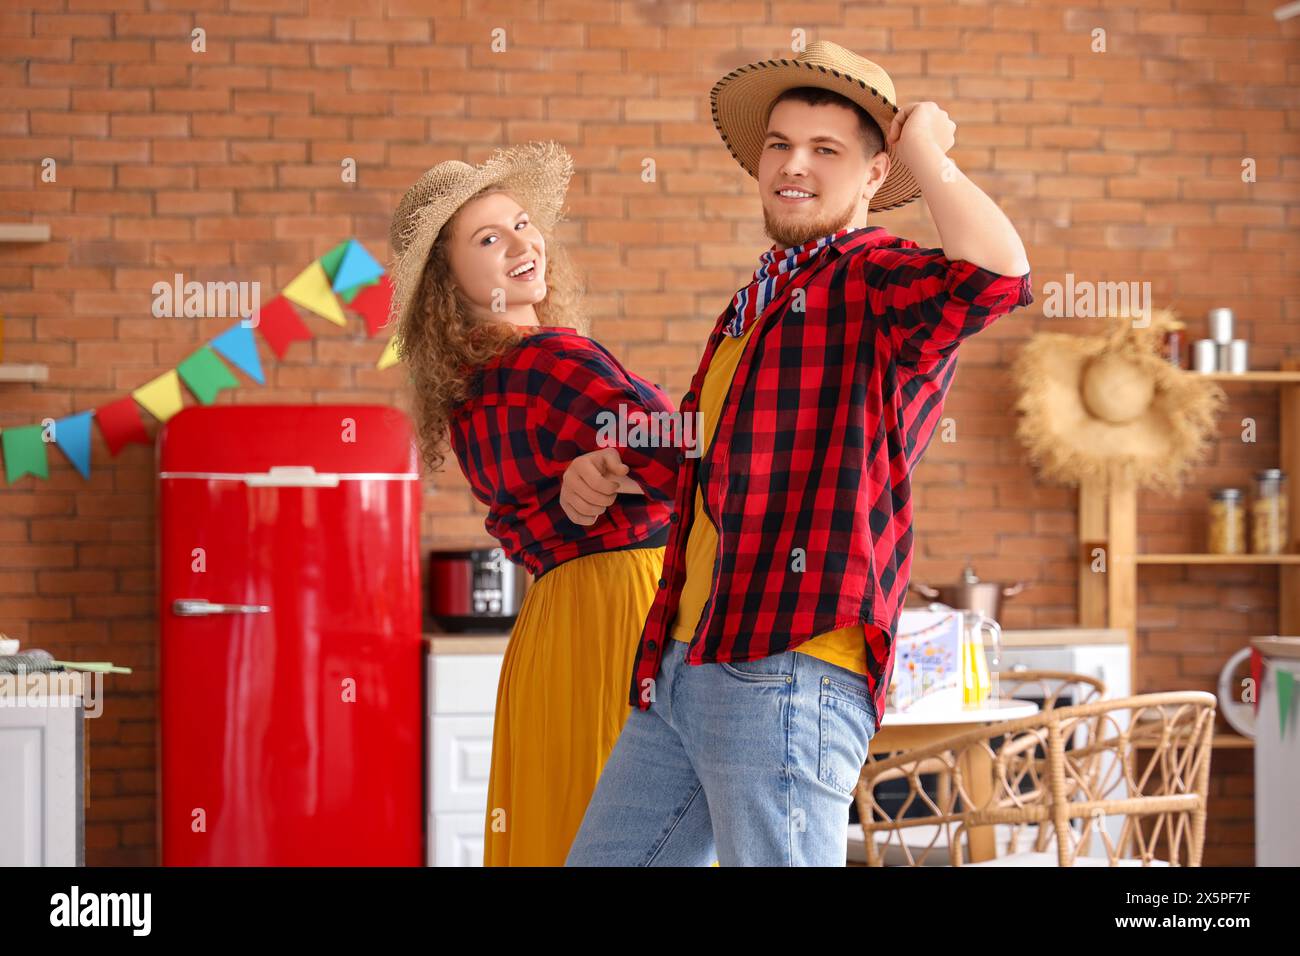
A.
pixel 1285 689
pixel 331 260
pixel 206 375
pixel 24 453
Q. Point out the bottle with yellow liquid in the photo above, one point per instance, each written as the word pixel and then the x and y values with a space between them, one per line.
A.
pixel 975 681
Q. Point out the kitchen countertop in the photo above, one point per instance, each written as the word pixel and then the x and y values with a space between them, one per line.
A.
pixel 439 642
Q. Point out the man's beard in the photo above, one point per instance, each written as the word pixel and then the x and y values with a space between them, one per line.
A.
pixel 791 232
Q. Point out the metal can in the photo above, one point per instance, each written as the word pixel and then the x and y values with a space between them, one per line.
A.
pixel 1220 322
pixel 1238 353
pixel 1205 355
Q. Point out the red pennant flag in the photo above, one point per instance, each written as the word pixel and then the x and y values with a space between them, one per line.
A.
pixel 1256 673
pixel 373 302
pixel 280 326
pixel 120 424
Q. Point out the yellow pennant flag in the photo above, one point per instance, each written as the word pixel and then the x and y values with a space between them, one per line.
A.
pixel 161 398
pixel 390 356
pixel 311 290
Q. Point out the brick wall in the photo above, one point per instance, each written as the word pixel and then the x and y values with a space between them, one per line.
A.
pixel 1123 165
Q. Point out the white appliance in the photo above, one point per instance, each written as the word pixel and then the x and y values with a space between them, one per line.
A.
pixel 1277 771
pixel 1109 663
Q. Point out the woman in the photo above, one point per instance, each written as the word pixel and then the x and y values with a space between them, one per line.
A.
pixel 489 326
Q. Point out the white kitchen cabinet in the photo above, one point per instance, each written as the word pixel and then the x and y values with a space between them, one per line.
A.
pixel 461 694
pixel 42 800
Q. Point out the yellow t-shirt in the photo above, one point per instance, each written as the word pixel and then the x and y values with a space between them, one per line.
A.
pixel 846 647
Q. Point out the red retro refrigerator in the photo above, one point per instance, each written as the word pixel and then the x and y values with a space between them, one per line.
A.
pixel 289 678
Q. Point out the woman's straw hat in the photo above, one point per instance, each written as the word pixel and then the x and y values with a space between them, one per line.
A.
pixel 743 99
pixel 536 174
pixel 1091 404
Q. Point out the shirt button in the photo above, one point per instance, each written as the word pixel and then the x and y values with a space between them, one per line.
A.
pixel 663 583
pixel 651 645
pixel 689 397
pixel 673 517
pixel 680 458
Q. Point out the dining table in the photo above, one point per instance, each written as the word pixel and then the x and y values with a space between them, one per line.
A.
pixel 930 721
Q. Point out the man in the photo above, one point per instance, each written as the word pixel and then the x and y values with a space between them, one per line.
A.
pixel 764 662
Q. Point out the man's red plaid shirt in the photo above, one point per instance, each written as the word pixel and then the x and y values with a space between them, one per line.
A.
pixel 808 478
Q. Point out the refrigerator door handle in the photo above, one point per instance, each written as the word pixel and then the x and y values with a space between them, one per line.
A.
pixel 196 607
pixel 292 476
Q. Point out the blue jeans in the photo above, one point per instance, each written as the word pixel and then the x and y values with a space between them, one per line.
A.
pixel 752 764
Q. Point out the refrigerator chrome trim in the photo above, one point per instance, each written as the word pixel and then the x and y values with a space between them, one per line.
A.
pixel 242 475
pixel 201 607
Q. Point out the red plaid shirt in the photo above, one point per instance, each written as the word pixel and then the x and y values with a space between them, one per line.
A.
pixel 535 408
pixel 808 478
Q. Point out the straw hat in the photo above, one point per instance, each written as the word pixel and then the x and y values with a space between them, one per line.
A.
pixel 1089 404
pixel 536 174
pixel 743 98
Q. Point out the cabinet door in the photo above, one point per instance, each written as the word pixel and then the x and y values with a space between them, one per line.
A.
pixel 41 810
pixel 456 839
pixel 460 762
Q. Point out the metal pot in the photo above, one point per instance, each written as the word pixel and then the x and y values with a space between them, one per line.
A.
pixel 970 593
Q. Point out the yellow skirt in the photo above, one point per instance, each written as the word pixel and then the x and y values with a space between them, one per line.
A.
pixel 562 701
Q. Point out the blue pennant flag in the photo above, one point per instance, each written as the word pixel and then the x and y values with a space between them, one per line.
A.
pixel 237 345
pixel 72 435
pixel 357 267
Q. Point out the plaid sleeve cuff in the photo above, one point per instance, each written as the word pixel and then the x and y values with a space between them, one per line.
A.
pixel 977 286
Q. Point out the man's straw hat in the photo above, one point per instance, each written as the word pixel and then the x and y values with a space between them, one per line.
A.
pixel 1091 404
pixel 536 174
pixel 742 101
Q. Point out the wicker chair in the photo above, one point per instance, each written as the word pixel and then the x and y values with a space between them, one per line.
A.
pixel 1031 778
pixel 1048 687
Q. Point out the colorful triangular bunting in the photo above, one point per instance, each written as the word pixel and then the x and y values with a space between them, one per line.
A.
pixel 72 435
pixel 330 261
pixel 390 356
pixel 374 303
pixel 161 396
pixel 237 347
pixel 24 451
pixel 311 290
pixel 280 325
pixel 347 295
pixel 206 375
pixel 358 267
pixel 120 423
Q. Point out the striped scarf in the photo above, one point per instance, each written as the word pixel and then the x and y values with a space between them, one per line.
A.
pixel 776 267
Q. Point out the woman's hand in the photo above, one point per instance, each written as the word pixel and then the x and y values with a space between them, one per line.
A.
pixel 591 483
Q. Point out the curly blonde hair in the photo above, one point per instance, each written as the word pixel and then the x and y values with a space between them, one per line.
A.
pixel 444 344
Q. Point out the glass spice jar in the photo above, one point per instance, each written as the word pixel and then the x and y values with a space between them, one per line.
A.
pixel 1227 521
pixel 1268 512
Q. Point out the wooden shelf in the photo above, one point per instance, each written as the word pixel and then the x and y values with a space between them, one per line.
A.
pixel 13 372
pixel 1217 558
pixel 1108 519
pixel 24 232
pixel 1269 377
